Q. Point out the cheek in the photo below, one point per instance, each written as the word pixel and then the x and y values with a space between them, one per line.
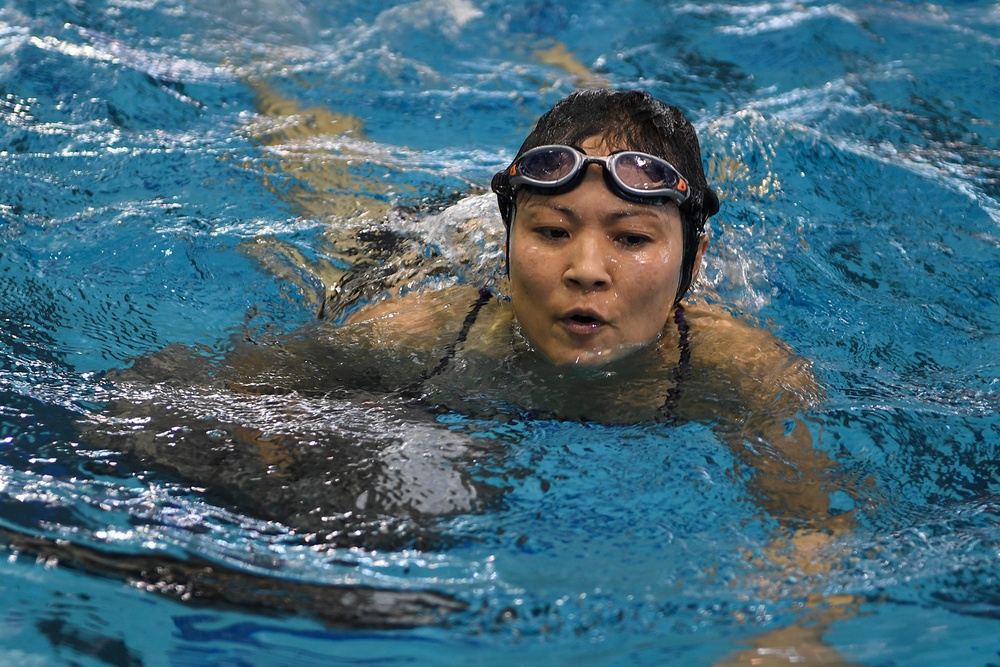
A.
pixel 524 276
pixel 659 274
pixel 651 298
pixel 527 301
pixel 525 261
pixel 517 266
pixel 652 294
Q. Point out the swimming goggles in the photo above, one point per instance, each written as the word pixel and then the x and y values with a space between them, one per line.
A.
pixel 630 174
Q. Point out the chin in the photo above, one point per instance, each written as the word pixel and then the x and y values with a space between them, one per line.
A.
pixel 621 356
pixel 589 358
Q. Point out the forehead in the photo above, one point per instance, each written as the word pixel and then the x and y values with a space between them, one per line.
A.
pixel 598 145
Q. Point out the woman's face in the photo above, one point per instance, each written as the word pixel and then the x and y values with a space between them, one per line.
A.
pixel 593 276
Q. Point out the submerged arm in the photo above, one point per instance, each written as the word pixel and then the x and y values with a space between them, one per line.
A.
pixel 766 389
pixel 760 389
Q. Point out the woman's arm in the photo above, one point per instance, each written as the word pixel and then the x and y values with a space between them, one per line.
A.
pixel 763 389
pixel 757 389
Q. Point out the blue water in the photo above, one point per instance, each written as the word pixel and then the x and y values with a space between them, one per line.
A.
pixel 857 150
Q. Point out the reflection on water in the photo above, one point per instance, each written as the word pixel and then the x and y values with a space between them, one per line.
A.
pixel 183 176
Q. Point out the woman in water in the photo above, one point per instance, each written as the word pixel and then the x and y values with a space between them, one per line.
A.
pixel 605 207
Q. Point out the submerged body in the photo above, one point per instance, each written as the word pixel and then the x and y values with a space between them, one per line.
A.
pixel 455 350
pixel 341 432
pixel 605 208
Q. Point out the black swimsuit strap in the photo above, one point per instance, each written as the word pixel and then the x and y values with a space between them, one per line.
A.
pixel 681 370
pixel 452 348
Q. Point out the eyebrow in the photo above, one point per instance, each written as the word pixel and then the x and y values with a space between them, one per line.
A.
pixel 632 210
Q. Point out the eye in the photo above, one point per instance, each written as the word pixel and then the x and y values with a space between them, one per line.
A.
pixel 552 233
pixel 631 240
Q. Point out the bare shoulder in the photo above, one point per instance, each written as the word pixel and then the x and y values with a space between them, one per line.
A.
pixel 760 365
pixel 418 319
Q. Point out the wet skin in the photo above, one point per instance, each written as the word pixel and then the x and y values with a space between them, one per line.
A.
pixel 593 277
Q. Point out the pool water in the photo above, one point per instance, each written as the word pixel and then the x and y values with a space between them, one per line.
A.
pixel 184 173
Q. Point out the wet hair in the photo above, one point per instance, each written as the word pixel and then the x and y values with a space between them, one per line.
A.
pixel 629 120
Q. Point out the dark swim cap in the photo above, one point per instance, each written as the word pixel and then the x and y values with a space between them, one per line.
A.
pixel 631 120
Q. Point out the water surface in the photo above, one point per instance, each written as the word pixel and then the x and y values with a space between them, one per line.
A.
pixel 185 173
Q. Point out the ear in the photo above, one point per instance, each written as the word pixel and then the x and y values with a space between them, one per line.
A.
pixel 696 266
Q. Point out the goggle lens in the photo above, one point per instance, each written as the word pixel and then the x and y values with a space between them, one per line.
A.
pixel 548 166
pixel 638 171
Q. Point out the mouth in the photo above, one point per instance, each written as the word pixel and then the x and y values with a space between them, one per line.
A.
pixel 582 322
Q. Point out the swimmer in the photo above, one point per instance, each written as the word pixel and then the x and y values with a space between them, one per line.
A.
pixel 605 207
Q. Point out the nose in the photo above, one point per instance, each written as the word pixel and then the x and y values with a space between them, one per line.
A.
pixel 589 267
